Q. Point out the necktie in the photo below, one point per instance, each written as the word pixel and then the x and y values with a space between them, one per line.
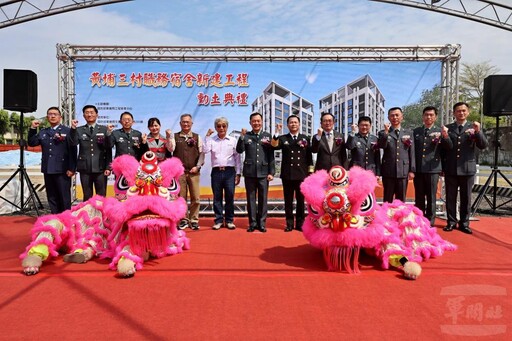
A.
pixel 330 141
pixel 427 131
pixel 460 129
pixel 397 132
pixel 91 129
pixel 294 138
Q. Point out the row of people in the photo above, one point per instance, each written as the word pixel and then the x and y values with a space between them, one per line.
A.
pixel 406 155
pixel 422 155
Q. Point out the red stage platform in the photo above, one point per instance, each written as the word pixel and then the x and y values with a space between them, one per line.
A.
pixel 234 285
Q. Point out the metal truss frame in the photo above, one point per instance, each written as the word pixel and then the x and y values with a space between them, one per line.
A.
pixel 448 55
pixel 20 11
pixel 487 12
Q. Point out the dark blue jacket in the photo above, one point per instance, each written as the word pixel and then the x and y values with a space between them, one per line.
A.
pixel 59 152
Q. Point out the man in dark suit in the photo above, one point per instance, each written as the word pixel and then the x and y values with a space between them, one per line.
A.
pixel 428 141
pixel 329 145
pixel 363 146
pixel 259 169
pixel 94 154
pixel 296 164
pixel 58 158
pixel 127 140
pixel 398 162
pixel 459 165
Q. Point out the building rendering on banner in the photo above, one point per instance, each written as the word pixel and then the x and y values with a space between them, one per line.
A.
pixel 360 97
pixel 276 104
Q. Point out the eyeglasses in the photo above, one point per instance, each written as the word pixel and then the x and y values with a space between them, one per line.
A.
pixel 52 114
pixel 222 126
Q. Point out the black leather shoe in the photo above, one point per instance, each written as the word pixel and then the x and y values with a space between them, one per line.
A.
pixel 299 229
pixel 263 229
pixel 288 229
pixel 448 228
pixel 466 229
pixel 250 229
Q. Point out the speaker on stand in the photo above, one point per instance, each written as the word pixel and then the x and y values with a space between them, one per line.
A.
pixel 497 102
pixel 20 94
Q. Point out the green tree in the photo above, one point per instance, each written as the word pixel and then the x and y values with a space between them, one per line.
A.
pixel 413 112
pixel 4 124
pixel 471 86
pixel 14 121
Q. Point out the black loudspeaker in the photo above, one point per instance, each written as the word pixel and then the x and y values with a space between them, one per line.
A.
pixel 20 90
pixel 498 95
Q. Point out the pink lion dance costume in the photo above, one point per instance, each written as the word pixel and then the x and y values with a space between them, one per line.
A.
pixel 344 218
pixel 140 224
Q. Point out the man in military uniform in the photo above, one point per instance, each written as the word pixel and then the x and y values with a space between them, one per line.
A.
pixel 398 161
pixel 459 165
pixel 94 154
pixel 428 141
pixel 259 169
pixel 127 140
pixel 296 165
pixel 364 150
pixel 58 158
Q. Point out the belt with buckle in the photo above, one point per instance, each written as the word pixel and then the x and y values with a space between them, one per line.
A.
pixel 223 168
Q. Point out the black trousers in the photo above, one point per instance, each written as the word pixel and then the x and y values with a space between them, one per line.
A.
pixel 464 183
pixel 58 192
pixel 291 188
pixel 257 213
pixel 425 189
pixel 93 181
pixel 394 187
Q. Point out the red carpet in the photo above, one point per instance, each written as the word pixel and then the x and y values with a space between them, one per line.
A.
pixel 234 285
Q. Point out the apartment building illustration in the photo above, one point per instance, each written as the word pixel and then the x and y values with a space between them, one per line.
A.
pixel 360 97
pixel 276 104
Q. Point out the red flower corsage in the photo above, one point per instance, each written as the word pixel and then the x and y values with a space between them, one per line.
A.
pixel 436 137
pixel 472 134
pixel 303 143
pixel 406 140
pixel 58 137
pixel 338 140
pixel 191 141
pixel 265 140
pixel 100 138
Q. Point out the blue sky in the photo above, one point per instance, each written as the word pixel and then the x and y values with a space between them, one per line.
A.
pixel 242 22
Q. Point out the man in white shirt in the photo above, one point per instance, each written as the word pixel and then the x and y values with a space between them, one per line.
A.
pixel 225 173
